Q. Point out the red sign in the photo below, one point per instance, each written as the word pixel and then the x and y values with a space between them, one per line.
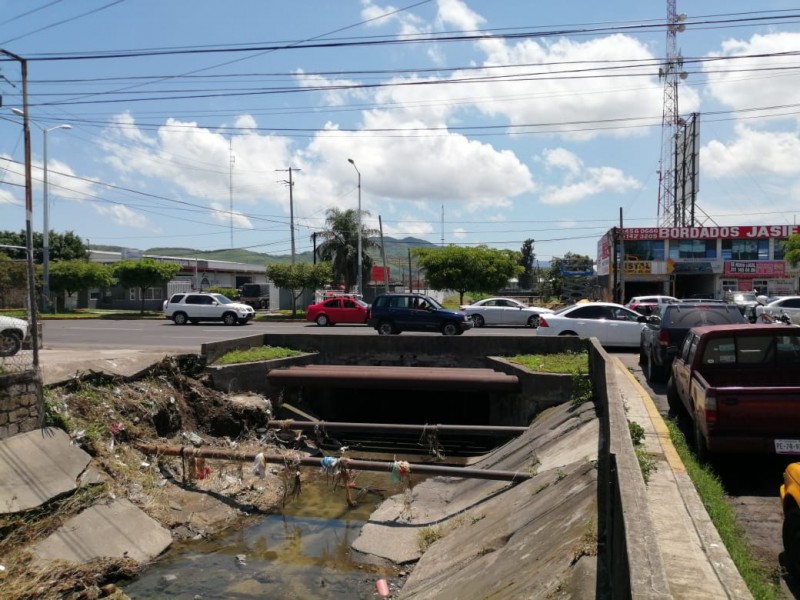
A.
pixel 734 232
pixel 377 274
pixel 755 268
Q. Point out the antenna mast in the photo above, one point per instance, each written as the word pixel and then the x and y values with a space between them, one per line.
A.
pixel 670 71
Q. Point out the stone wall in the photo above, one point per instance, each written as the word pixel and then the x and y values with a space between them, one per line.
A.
pixel 21 404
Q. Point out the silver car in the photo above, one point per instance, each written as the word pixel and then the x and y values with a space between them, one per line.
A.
pixel 13 332
pixel 503 311
pixel 785 304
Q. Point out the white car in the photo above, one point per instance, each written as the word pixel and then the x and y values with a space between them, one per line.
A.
pixel 612 324
pixel 503 311
pixel 193 307
pixel 785 304
pixel 13 332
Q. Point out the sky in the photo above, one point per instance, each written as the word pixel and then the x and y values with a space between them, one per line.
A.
pixel 467 121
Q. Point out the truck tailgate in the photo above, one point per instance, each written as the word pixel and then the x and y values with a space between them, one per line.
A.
pixel 768 412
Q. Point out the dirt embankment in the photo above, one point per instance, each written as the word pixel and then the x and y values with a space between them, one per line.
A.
pixel 171 405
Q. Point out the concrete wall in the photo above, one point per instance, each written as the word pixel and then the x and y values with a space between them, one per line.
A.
pixel 252 377
pixel 442 351
pixel 21 404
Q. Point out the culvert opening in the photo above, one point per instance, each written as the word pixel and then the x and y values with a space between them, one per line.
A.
pixel 427 397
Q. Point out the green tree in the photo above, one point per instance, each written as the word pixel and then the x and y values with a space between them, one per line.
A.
pixel 144 273
pixel 340 246
pixel 480 269
pixel 13 281
pixel 299 277
pixel 526 261
pixel 791 247
pixel 554 278
pixel 67 246
pixel 74 275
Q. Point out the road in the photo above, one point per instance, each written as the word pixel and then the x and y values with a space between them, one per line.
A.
pixel 159 335
pixel 752 484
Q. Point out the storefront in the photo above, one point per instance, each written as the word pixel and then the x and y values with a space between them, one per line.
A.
pixel 695 261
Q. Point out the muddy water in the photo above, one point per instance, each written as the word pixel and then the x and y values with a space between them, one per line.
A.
pixel 302 553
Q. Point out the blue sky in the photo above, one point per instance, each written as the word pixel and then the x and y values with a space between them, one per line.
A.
pixel 543 123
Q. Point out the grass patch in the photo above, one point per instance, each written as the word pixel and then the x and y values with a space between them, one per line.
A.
pixel 647 463
pixel 568 363
pixel 255 355
pixel 761 583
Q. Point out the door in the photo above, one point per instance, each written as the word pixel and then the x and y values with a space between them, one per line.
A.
pixel 624 328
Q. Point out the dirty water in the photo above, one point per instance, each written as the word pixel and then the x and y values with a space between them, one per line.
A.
pixel 302 553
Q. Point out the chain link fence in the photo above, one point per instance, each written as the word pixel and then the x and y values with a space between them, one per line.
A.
pixel 16 339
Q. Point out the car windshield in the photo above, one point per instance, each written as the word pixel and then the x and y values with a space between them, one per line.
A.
pixel 361 303
pixel 749 297
pixel 221 299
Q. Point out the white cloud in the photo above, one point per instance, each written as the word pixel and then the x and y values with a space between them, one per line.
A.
pixel 752 152
pixel 459 233
pixel 580 182
pixel 743 83
pixel 122 215
pixel 223 214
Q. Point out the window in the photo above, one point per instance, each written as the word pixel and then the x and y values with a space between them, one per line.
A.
pixel 589 312
pixel 644 250
pixel 683 249
pixel 720 351
pixel 132 294
pixel 780 251
pixel 332 303
pixel 349 303
pixel 152 294
pixel 755 350
pixel 745 249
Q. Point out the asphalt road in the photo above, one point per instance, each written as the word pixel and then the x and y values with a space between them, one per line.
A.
pixel 165 335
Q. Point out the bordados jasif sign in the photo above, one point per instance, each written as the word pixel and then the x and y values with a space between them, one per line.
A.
pixel 734 232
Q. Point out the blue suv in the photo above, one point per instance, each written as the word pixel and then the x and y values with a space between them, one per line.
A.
pixel 390 314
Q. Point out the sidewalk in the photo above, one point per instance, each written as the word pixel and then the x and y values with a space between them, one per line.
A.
pixel 696 562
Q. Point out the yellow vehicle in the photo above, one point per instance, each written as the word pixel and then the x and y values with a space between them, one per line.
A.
pixel 790 500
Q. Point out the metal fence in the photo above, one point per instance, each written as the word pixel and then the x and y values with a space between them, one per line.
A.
pixel 16 353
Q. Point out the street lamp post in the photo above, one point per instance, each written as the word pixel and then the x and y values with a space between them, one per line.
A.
pixel 359 274
pixel 45 213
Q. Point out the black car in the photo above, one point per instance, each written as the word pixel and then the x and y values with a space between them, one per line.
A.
pixel 669 328
pixel 393 313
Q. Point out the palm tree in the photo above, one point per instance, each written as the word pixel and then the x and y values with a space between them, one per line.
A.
pixel 340 245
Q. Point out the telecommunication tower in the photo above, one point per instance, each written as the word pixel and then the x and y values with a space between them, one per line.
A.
pixel 671 71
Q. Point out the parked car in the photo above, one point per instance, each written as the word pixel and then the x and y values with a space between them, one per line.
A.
pixel 342 309
pixel 13 332
pixel 790 501
pixel 745 301
pixel 647 305
pixel 393 313
pixel 785 304
pixel 612 324
pixel 667 330
pixel 739 386
pixel 503 311
pixel 194 307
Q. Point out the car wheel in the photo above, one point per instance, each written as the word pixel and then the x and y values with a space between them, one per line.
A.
pixel 323 321
pixel 10 343
pixel 193 321
pixel 385 328
pixel 642 355
pixel 230 318
pixel 655 373
pixel 533 321
pixel 700 445
pixel 450 328
pixel 570 333
pixel 791 541
pixel 478 320
pixel 673 400
pixel 179 318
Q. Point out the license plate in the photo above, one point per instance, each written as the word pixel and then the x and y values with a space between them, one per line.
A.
pixel 787 446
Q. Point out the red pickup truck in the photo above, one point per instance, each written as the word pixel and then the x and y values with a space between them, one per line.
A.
pixel 740 385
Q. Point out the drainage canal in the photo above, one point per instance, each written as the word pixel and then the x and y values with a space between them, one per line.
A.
pixel 436 418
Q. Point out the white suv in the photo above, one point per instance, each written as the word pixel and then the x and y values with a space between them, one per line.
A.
pixel 13 332
pixel 193 307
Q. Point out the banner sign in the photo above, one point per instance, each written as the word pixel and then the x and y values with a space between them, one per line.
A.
pixel 377 274
pixel 755 268
pixel 734 232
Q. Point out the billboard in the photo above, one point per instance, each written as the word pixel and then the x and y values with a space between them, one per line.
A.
pixel 734 232
pixel 377 275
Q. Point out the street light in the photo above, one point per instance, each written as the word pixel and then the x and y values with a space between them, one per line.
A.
pixel 45 213
pixel 359 277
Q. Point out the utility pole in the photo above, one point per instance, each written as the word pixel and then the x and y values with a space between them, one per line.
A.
pixel 230 185
pixel 383 256
pixel 26 131
pixel 291 206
